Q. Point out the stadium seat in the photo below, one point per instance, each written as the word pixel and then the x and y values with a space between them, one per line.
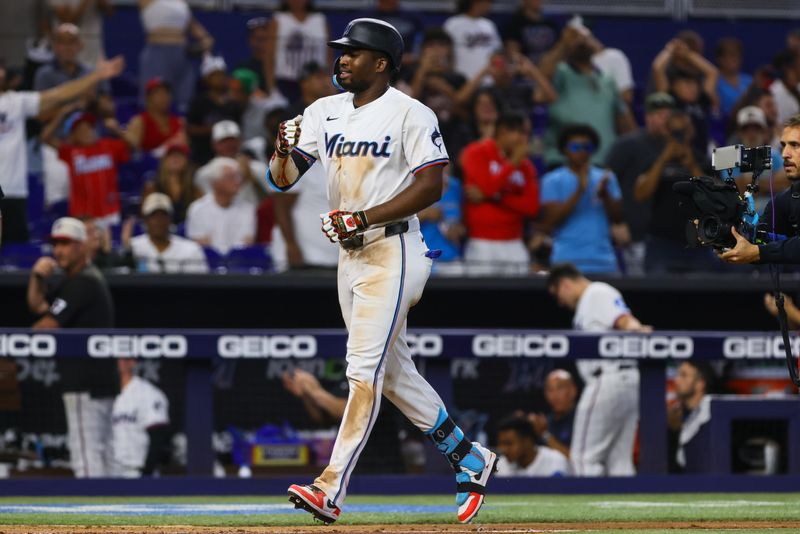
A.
pixel 254 260
pixel 132 174
pixel 216 262
pixel 19 255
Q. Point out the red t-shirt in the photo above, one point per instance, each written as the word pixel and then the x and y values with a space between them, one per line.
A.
pixel 93 176
pixel 511 193
pixel 152 134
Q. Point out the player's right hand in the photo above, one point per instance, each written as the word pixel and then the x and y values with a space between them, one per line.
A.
pixel 288 136
pixel 44 267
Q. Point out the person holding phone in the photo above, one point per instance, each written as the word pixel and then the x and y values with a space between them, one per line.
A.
pixel 666 250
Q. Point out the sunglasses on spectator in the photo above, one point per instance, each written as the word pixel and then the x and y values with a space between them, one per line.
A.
pixel 576 146
pixel 258 22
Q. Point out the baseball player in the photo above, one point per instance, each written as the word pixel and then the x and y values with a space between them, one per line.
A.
pixel 608 410
pixel 383 156
pixel 139 424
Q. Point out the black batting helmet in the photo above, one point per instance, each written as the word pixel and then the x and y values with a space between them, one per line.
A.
pixel 372 34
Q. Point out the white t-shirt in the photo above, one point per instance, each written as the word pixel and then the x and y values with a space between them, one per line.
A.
pixel 614 63
pixel 139 406
pixel 181 256
pixel 786 102
pixel 14 109
pixel 299 43
pixel 474 41
pixel 247 193
pixel 370 153
pixel 234 226
pixel 311 201
pixel 56 176
pixel 598 309
pixel 548 463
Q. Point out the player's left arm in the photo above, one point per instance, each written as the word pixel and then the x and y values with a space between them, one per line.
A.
pixel 156 450
pixel 609 303
pixel 154 413
pixel 425 191
pixel 629 323
pixel 426 156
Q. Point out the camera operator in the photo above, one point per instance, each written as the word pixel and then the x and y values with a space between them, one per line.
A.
pixel 786 212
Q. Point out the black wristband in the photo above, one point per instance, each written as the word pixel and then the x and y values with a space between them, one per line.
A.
pixel 361 219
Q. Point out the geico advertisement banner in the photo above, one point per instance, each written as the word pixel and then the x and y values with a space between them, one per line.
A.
pixel 421 343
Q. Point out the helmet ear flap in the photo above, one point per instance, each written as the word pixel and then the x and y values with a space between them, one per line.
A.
pixel 335 78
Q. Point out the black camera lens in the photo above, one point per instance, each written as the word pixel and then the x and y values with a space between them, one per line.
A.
pixel 709 228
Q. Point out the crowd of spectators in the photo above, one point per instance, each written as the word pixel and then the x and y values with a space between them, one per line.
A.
pixel 548 161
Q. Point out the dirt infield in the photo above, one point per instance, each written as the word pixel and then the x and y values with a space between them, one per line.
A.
pixel 497 528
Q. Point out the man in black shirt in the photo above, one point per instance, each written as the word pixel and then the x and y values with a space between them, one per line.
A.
pixel 529 32
pixel 78 299
pixel 629 157
pixel 785 223
pixel 666 250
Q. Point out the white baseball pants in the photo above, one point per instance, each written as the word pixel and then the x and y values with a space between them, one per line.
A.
pixel 89 434
pixel 605 425
pixel 378 284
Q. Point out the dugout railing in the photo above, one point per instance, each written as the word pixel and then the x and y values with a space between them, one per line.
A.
pixel 196 350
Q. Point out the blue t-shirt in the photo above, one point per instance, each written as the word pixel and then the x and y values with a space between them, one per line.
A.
pixel 450 204
pixel 729 95
pixel 584 238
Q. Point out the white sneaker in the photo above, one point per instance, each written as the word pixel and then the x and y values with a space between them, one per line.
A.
pixel 471 485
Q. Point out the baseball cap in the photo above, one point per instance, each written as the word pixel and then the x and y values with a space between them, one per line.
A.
pixel 751 115
pixel 154 83
pixel 155 202
pixel 68 228
pixel 67 29
pixel 247 78
pixel 74 120
pixel 659 100
pixel 225 129
pixel 177 147
pixel 212 64
pixel 257 22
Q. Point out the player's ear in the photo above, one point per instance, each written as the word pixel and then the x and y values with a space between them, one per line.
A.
pixel 383 64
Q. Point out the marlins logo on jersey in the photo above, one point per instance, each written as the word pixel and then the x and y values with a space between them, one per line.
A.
pixel 337 145
pixel 370 153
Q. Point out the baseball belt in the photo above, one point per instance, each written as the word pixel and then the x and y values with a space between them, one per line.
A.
pixel 357 241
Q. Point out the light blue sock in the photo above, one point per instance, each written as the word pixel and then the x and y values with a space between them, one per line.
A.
pixel 450 441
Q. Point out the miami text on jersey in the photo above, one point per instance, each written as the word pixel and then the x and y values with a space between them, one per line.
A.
pixel 340 147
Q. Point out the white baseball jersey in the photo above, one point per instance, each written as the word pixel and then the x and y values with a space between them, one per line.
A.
pixel 370 153
pixel 139 406
pixel 548 463
pixel 598 309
